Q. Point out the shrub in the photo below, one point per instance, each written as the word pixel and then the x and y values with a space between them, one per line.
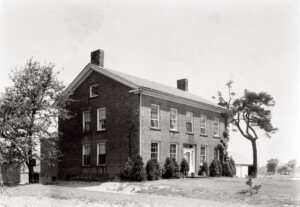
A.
pixel 226 169
pixel 203 169
pixel 127 174
pixel 184 167
pixel 215 168
pixel 171 169
pixel 138 169
pixel 153 170
pixel 233 168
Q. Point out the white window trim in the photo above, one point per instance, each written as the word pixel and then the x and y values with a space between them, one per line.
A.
pixel 158 150
pixel 158 117
pixel 186 121
pixel 218 134
pixel 176 129
pixel 98 149
pixel 83 154
pixel 204 125
pixel 91 96
pixel 83 119
pixel 176 157
pixel 98 116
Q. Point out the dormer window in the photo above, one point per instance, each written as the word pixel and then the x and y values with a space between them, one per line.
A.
pixel 93 91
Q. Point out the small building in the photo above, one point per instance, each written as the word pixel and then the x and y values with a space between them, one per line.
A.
pixel 243 165
pixel 117 115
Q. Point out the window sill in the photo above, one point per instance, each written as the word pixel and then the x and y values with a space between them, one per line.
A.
pixel 203 135
pixel 86 165
pixel 155 129
pixel 217 137
pixel 190 133
pixel 102 130
pixel 174 131
pixel 91 97
pixel 101 165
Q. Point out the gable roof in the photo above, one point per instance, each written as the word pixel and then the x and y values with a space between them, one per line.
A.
pixel 147 87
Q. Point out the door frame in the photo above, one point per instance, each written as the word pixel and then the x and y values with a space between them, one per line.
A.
pixel 192 150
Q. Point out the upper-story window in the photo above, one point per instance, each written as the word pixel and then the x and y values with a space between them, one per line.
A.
pixel 202 124
pixel 86 121
pixel 154 116
pixel 94 91
pixel 189 122
pixel 216 127
pixel 173 119
pixel 101 119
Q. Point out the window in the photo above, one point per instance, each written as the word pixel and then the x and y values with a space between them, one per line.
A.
pixel 101 154
pixel 154 150
pixel 202 124
pixel 189 122
pixel 173 151
pixel 202 155
pixel 155 116
pixel 86 121
pixel 216 153
pixel 86 155
pixel 93 90
pixel 101 117
pixel 216 127
pixel 173 119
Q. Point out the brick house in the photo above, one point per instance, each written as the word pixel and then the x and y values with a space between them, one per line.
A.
pixel 116 116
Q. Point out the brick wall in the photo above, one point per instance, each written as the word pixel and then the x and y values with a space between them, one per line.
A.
pixel 122 124
pixel 164 136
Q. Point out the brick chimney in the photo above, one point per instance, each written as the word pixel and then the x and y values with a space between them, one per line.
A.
pixel 182 84
pixel 97 58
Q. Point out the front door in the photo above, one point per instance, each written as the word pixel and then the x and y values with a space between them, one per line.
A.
pixel 189 155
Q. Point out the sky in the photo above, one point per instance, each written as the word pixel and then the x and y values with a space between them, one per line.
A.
pixel 209 42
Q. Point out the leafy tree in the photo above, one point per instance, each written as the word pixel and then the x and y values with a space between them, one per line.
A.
pixel 292 164
pixel 272 166
pixel 284 169
pixel 28 111
pixel 249 113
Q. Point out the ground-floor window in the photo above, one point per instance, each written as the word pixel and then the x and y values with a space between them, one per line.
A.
pixel 86 154
pixel 101 154
pixel 216 153
pixel 203 156
pixel 155 150
pixel 174 151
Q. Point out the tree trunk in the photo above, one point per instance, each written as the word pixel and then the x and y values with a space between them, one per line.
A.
pixel 254 172
pixel 31 172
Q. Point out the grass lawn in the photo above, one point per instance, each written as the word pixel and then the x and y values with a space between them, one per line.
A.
pixel 275 191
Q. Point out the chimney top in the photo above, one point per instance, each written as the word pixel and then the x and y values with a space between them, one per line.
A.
pixel 182 84
pixel 97 57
